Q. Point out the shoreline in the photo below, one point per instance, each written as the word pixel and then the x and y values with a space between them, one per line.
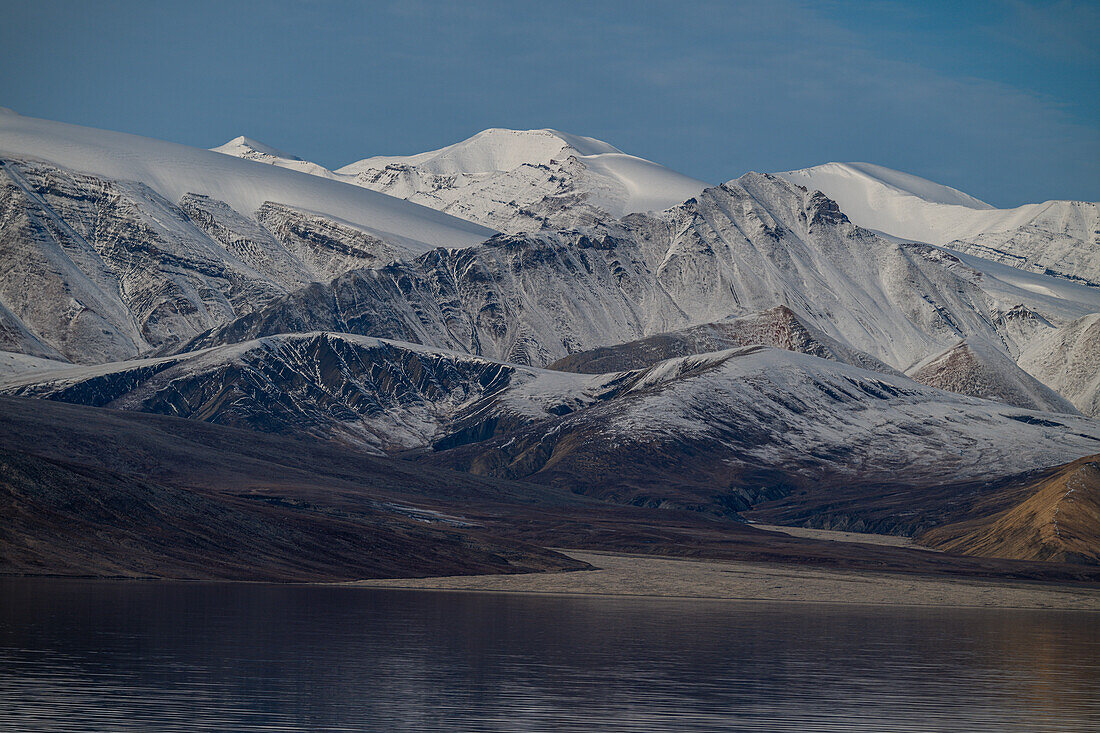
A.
pixel 619 575
pixel 711 599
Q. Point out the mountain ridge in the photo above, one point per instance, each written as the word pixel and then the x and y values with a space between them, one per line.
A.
pixel 744 412
pixel 1055 237
pixel 173 170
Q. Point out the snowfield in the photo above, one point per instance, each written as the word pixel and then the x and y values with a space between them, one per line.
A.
pixel 175 170
pixel 511 180
pixel 249 149
pixel 615 182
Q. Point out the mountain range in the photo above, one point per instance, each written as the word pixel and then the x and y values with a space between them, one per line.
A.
pixel 546 313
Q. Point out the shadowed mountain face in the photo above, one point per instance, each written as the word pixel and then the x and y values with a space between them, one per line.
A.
pixel 363 391
pixel 68 519
pixel 94 492
pixel 100 492
pixel 374 394
pixel 1053 517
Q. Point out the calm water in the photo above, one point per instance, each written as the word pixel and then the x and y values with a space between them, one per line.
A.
pixel 83 656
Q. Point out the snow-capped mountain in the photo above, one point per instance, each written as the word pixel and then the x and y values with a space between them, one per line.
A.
pixel 518 180
pixel 512 163
pixel 123 246
pixel 735 249
pixel 172 170
pixel 249 149
pixel 1061 238
pixel 718 349
pixel 511 180
pixel 115 244
pixel 524 180
pixel 722 431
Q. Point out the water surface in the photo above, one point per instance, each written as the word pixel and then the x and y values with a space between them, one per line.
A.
pixel 100 655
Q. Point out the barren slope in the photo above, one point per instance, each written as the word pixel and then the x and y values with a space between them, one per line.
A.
pixel 1055 519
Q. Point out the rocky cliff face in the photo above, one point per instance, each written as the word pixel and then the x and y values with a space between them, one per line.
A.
pixel 103 270
pixel 736 249
pixel 1059 238
pixel 358 390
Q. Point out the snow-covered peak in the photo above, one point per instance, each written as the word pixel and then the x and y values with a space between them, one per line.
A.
pixel 1054 237
pixel 249 149
pixel 499 177
pixel 173 170
pixel 877 183
pixel 516 180
pixel 246 147
pixel 492 150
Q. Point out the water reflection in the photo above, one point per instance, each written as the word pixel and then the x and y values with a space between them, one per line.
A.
pixel 82 655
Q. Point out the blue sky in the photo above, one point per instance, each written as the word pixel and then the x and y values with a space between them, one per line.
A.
pixel 999 99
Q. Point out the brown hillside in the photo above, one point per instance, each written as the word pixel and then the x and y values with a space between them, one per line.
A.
pixel 1058 520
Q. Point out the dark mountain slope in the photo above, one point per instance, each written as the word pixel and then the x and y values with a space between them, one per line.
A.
pixel 89 491
pixel 86 491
